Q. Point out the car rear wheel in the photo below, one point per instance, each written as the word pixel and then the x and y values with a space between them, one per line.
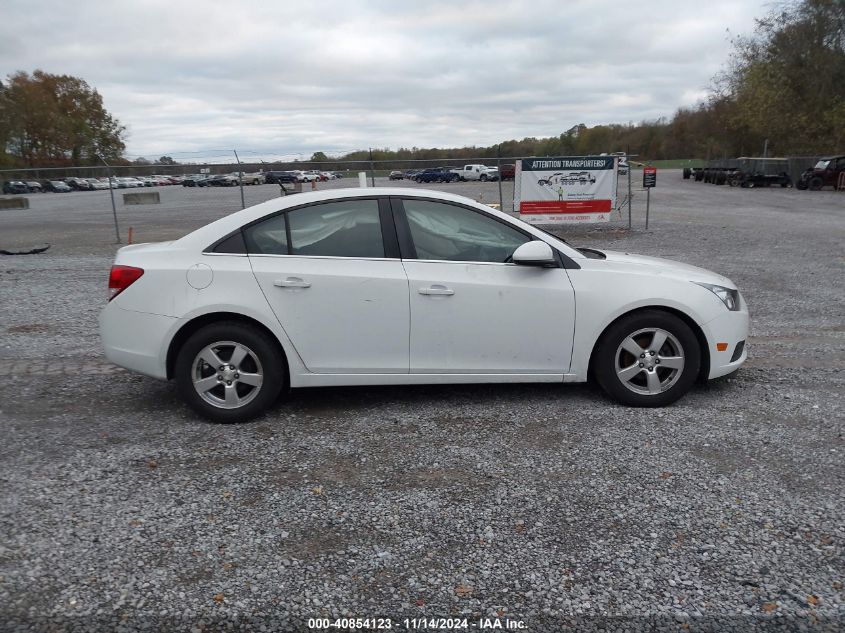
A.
pixel 647 359
pixel 229 372
pixel 483 178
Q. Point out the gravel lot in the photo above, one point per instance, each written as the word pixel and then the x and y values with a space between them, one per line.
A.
pixel 545 505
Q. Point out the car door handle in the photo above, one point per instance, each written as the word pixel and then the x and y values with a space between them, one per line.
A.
pixel 292 282
pixel 438 290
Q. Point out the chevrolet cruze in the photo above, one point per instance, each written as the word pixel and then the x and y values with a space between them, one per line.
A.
pixel 397 286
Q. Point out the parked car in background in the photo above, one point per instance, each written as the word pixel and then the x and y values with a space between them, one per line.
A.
pixel 15 186
pixel 507 171
pixel 825 173
pixel 128 182
pixel 195 180
pixel 223 180
pixel 396 175
pixel 305 176
pixel 476 172
pixel 255 178
pixel 333 294
pixel 277 177
pixel 97 184
pixel 34 186
pixel 318 175
pixel 78 184
pixel 56 186
pixel 436 174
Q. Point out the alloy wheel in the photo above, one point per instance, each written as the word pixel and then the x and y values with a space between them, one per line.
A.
pixel 227 375
pixel 649 361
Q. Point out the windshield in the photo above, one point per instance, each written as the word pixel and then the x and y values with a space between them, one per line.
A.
pixel 822 164
pixel 549 233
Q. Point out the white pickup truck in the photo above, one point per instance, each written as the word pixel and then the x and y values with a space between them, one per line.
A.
pixel 477 172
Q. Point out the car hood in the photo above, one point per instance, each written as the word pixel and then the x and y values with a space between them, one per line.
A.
pixel 667 267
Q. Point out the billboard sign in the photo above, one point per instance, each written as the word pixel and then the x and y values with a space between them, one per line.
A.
pixel 565 189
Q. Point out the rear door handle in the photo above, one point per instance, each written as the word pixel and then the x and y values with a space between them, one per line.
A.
pixel 438 290
pixel 292 282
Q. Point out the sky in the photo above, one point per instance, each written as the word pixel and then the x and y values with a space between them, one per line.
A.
pixel 283 79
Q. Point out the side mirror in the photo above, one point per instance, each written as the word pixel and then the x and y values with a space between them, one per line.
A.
pixel 534 253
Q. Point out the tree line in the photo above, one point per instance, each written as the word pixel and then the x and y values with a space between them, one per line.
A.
pixel 783 89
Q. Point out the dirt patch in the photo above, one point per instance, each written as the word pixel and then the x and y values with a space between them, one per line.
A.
pixel 29 328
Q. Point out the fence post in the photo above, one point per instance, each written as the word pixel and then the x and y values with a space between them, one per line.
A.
pixel 111 191
pixel 630 195
pixel 499 167
pixel 240 178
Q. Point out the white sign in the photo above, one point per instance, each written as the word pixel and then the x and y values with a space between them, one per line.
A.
pixel 565 189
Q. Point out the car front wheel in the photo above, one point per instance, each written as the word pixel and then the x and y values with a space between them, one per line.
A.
pixel 647 359
pixel 229 372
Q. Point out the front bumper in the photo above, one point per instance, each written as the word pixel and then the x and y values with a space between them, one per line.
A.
pixel 730 328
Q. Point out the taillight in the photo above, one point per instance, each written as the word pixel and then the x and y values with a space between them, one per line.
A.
pixel 121 277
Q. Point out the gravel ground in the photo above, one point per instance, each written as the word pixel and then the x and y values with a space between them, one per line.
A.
pixel 541 506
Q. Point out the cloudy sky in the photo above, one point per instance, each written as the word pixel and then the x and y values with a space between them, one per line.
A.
pixel 272 79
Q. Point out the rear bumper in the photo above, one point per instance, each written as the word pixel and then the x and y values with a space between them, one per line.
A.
pixel 136 340
pixel 730 328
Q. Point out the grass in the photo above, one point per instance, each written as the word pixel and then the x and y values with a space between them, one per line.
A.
pixel 677 163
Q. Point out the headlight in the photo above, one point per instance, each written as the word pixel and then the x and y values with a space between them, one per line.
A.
pixel 728 296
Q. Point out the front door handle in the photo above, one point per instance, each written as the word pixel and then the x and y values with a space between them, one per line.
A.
pixel 438 290
pixel 292 282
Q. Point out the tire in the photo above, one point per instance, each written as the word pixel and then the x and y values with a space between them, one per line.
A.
pixel 260 358
pixel 483 177
pixel 626 378
pixel 816 183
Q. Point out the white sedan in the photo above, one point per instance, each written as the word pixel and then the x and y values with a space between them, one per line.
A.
pixel 389 286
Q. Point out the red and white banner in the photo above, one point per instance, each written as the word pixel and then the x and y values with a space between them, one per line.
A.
pixel 567 189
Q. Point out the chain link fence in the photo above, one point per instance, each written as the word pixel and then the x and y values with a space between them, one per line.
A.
pixel 437 173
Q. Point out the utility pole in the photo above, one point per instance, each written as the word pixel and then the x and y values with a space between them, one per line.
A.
pixel 372 169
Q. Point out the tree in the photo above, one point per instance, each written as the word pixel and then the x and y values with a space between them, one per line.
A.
pixel 166 160
pixel 788 79
pixel 56 120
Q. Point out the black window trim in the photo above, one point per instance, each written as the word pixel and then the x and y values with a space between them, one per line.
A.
pixel 210 250
pixel 406 242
